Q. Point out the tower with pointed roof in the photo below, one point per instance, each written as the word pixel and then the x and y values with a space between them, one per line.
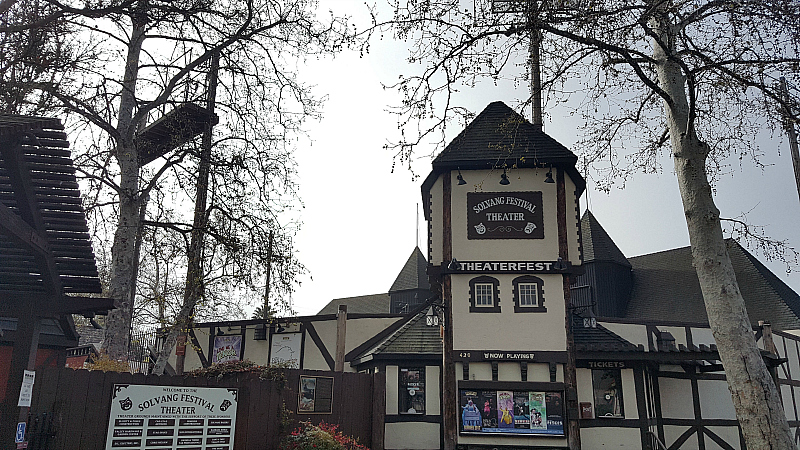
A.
pixel 504 236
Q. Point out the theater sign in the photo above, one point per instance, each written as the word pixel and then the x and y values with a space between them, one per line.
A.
pixel 505 215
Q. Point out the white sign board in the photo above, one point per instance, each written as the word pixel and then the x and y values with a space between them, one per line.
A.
pixel 26 391
pixel 286 349
pixel 171 417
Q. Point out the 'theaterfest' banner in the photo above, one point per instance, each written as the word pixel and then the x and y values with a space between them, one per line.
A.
pixel 505 215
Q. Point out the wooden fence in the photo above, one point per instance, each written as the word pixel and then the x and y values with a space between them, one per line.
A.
pixel 70 408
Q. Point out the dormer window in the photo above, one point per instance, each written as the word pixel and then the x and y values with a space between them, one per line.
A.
pixel 528 294
pixel 484 294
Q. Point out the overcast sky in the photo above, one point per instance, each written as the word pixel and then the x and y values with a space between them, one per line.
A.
pixel 360 218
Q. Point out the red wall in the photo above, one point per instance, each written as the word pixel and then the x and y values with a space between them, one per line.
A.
pixel 5 364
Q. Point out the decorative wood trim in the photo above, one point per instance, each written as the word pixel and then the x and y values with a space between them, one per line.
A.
pixel 641 404
pixel 511 385
pixel 320 345
pixel 449 392
pixel 478 356
pixel 198 348
pixel 406 418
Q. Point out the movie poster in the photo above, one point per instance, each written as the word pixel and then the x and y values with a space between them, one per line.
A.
pixel 505 409
pixel 538 410
pixel 471 419
pixel 522 417
pixel 227 348
pixel 507 412
pixel 555 412
pixel 308 390
pixel 489 409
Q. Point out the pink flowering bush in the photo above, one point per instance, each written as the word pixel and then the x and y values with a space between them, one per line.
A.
pixel 319 437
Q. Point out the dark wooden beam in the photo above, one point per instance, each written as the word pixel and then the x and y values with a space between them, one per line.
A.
pixel 17 229
pixel 20 178
pixel 174 129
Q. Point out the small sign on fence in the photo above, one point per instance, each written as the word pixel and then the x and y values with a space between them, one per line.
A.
pixel 20 436
pixel 172 417
pixel 26 391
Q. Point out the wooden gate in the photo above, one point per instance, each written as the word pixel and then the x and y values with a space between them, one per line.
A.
pixel 76 405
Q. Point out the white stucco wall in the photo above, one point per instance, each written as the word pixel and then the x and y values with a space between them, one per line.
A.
pixel 573 221
pixel 702 336
pixel 508 371
pixel 392 400
pixel 673 432
pixel 411 435
pixel 479 371
pixel 729 434
pixel 676 398
pixel 629 394
pixel 610 438
pixel 715 399
pixel 510 440
pixel 256 351
pixel 507 330
pixel 436 222
pixel 312 355
pixel 433 393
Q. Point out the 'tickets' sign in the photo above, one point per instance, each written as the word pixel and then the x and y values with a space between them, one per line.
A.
pixel 172 417
pixel 505 215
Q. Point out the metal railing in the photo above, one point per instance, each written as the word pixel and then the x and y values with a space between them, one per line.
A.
pixel 143 350
pixel 654 442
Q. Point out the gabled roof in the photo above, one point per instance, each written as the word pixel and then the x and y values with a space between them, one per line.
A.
pixel 597 244
pixel 666 287
pixel 499 136
pixel 412 338
pixel 413 275
pixel 363 304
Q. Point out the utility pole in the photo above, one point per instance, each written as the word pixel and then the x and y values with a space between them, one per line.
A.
pixel 194 272
pixel 791 134
pixel 269 275
pixel 532 10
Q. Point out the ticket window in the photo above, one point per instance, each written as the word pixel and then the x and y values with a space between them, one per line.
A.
pixel 607 387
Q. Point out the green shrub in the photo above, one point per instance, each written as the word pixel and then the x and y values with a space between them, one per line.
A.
pixel 319 437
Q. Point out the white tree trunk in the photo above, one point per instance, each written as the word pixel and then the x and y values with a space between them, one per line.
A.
pixel 124 258
pixel 755 396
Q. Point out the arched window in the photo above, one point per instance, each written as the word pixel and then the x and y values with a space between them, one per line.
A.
pixel 484 295
pixel 528 294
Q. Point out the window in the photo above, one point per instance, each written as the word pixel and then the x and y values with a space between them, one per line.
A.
pixel 607 386
pixel 484 294
pixel 528 294
pixel 412 390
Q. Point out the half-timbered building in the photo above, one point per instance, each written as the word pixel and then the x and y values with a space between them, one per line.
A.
pixel 524 324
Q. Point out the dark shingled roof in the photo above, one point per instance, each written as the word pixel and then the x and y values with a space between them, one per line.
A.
pixel 500 136
pixel 598 339
pixel 597 244
pixel 413 275
pixel 666 287
pixel 412 338
pixel 364 304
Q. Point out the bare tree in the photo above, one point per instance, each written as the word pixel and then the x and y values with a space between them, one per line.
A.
pixel 149 59
pixel 695 78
